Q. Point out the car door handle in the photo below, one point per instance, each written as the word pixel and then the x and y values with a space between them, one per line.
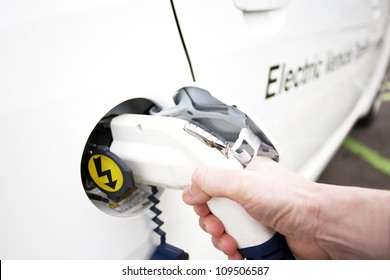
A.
pixel 260 5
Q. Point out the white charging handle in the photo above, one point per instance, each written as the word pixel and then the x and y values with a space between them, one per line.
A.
pixel 161 153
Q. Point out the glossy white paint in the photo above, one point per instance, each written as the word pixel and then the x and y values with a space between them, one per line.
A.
pixel 345 40
pixel 65 64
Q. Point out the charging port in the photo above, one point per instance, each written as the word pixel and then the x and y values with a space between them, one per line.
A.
pixel 107 181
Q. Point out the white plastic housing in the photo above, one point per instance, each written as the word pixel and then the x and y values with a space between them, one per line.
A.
pixel 161 153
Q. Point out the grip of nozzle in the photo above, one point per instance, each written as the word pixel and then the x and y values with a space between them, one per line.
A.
pixel 255 240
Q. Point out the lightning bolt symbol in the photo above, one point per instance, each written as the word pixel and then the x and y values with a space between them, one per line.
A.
pixel 101 173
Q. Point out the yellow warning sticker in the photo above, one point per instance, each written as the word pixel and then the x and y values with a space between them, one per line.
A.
pixel 105 173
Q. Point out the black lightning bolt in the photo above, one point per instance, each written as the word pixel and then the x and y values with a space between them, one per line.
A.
pixel 101 173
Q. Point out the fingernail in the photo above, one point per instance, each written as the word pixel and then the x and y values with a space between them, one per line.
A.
pixel 189 190
pixel 187 194
pixel 204 227
pixel 219 245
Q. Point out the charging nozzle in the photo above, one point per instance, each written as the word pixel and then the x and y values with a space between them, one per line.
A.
pixel 163 151
pixel 226 124
pixel 164 148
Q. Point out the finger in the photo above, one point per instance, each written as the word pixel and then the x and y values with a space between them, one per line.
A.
pixel 212 225
pixel 226 244
pixel 236 256
pixel 202 210
pixel 210 182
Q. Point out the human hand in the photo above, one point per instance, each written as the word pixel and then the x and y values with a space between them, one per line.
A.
pixel 270 193
pixel 319 221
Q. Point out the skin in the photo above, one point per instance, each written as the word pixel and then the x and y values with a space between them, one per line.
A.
pixel 319 221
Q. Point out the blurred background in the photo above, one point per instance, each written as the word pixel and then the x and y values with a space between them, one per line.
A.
pixel 364 158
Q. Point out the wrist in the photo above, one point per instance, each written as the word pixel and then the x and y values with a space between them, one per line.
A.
pixel 354 223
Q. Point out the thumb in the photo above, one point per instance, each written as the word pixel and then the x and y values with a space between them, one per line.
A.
pixel 210 182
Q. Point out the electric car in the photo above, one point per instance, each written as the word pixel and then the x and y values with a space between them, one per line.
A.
pixel 304 71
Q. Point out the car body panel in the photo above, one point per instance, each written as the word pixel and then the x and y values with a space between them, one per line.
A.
pixel 64 65
pixel 232 53
pixel 236 51
pixel 62 69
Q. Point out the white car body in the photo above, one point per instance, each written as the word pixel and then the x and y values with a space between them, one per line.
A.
pixel 306 69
